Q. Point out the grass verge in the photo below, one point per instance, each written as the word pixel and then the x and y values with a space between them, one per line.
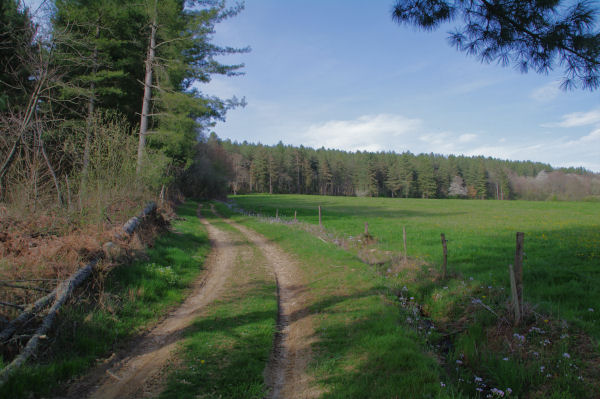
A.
pixel 134 297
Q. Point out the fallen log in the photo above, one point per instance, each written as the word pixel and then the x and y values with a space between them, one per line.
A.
pixel 25 316
pixel 134 222
pixel 41 303
pixel 63 291
pixel 60 295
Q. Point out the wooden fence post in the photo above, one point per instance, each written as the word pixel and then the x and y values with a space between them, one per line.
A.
pixel 277 214
pixel 295 215
pixel 445 249
pixel 519 269
pixel 515 297
pixel 366 229
pixel 320 223
pixel 404 239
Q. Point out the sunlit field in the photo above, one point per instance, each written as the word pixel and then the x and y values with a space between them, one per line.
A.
pixel 562 240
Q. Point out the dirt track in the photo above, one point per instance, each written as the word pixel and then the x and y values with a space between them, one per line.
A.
pixel 134 375
pixel 138 373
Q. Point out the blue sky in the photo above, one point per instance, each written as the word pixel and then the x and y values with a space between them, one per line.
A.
pixel 341 74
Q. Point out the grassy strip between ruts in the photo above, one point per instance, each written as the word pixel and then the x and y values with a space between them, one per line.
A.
pixel 363 349
pixel 134 297
pixel 226 350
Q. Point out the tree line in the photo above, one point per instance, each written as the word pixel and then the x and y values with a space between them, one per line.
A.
pixel 104 98
pixel 286 169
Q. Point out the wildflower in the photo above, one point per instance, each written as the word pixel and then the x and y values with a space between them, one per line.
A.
pixel 412 298
pixel 508 391
pixel 483 296
pixel 564 336
pixel 566 355
pixel 505 359
pixel 519 337
pixel 497 392
pixel 536 354
pixel 542 368
pixel 489 287
pixel 471 278
pixel 442 384
pixel 445 288
pixel 459 361
pixel 478 379
pixel 202 361
pixel 546 320
pixel 590 309
pixel 479 389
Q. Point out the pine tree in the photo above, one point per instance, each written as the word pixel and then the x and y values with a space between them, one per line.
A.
pixel 481 180
pixel 394 178
pixel 426 178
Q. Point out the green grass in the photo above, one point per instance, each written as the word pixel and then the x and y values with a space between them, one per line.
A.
pixel 226 350
pixel 134 298
pixel 362 350
pixel 477 349
pixel 562 241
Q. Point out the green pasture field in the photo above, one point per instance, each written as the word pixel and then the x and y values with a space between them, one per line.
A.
pixel 562 241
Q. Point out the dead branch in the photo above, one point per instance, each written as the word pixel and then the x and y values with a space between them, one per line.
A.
pixel 12 305
pixel 25 287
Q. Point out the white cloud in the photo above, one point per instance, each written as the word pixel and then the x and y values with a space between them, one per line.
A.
pixel 578 119
pixel 467 138
pixel 547 92
pixel 366 133
pixel 593 137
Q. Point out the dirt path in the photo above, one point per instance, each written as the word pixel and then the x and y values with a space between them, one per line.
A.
pixel 286 375
pixel 136 374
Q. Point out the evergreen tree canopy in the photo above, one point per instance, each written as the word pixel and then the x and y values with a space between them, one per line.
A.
pixel 531 34
pixel 16 35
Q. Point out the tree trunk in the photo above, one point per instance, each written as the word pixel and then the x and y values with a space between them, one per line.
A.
pixel 31 106
pixel 50 168
pixel 147 92
pixel 91 109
